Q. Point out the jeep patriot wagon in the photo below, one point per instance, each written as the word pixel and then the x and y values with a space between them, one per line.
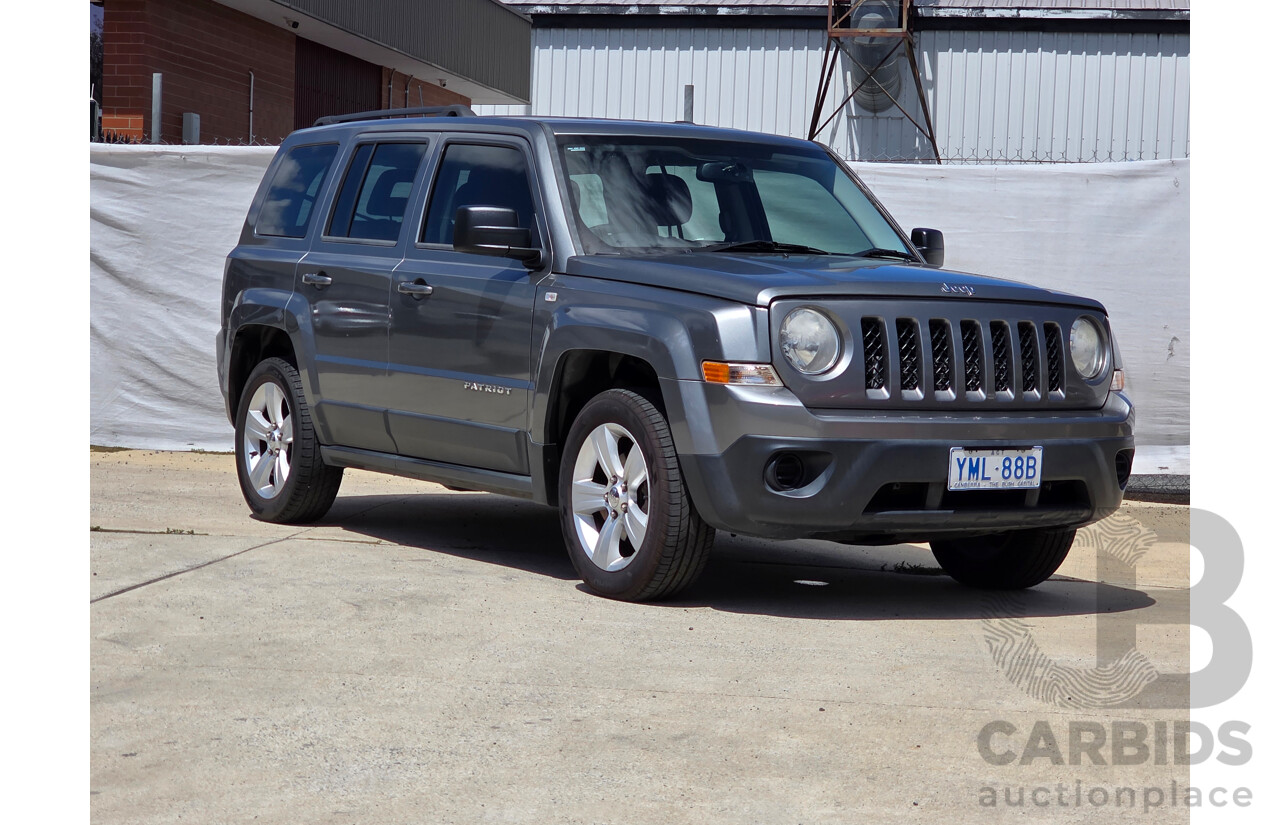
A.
pixel 662 330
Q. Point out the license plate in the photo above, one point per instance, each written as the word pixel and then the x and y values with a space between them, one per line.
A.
pixel 995 469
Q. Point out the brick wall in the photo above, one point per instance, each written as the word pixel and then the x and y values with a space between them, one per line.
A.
pixel 421 93
pixel 205 52
pixel 126 82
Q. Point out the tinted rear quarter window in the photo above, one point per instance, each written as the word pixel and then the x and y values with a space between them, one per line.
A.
pixel 291 198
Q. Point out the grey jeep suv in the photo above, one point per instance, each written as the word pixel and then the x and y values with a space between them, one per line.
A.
pixel 663 330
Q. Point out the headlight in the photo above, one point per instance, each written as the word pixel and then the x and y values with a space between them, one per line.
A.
pixel 1087 351
pixel 809 341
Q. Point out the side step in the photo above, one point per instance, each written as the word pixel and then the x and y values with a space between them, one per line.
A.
pixel 450 475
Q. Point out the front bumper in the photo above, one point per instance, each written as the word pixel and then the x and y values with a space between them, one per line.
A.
pixel 881 477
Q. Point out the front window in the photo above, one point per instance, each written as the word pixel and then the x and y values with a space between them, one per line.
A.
pixel 477 175
pixel 630 195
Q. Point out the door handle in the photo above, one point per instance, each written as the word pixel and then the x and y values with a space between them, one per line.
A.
pixel 316 279
pixel 418 289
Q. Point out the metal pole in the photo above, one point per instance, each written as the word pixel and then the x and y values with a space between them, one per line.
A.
pixel 250 108
pixel 824 83
pixel 688 103
pixel 155 107
pixel 856 89
pixel 924 103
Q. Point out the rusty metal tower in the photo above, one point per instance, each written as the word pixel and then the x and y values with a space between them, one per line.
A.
pixel 871 34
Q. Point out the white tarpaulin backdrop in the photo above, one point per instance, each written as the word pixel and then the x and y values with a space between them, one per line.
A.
pixel 162 220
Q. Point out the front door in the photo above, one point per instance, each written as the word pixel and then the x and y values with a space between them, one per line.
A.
pixel 460 361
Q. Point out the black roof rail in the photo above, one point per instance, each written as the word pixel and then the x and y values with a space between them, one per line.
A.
pixel 456 110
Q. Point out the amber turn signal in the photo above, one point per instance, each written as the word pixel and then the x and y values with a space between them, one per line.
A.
pixel 717 372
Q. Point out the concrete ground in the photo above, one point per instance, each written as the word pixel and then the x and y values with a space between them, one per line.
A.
pixel 423 656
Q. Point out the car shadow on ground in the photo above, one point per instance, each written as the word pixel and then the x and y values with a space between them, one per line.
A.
pixel 796 579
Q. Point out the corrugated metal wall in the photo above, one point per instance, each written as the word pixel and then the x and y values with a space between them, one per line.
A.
pixel 1058 96
pixel 330 82
pixel 995 96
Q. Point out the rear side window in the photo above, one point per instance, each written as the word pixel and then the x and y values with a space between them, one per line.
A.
pixel 375 192
pixel 291 199
pixel 477 176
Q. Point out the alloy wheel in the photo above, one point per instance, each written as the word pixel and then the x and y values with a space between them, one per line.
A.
pixel 610 497
pixel 268 440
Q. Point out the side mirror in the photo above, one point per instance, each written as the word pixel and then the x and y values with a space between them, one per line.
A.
pixel 493 230
pixel 930 245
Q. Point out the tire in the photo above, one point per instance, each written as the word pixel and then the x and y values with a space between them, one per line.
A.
pixel 1007 561
pixel 631 530
pixel 277 455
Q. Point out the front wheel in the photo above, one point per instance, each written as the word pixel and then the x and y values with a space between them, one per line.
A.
pixel 277 453
pixel 631 530
pixel 1007 561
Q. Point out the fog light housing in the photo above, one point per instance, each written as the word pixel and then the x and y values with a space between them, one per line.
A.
pixel 785 471
pixel 1124 466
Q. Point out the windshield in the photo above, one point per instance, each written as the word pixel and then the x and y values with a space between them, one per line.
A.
pixel 632 195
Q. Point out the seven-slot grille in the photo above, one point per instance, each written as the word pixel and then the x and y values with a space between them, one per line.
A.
pixel 940 347
pixel 971 338
pixel 1030 360
pixel 909 353
pixel 1053 349
pixel 1002 374
pixel 874 354
pixel 989 363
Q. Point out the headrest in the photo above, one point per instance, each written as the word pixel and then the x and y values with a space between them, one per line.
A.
pixel 391 192
pixel 669 200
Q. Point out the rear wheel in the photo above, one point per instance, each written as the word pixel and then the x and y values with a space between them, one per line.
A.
pixel 277 454
pixel 631 531
pixel 1006 561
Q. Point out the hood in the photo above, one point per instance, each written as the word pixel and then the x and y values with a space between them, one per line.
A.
pixel 759 279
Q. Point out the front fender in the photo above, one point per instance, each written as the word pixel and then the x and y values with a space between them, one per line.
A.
pixel 671 332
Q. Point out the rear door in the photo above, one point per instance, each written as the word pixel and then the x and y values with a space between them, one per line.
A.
pixel 346 280
pixel 461 323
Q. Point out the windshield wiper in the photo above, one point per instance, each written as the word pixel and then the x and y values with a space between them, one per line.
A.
pixel 762 246
pixel 877 252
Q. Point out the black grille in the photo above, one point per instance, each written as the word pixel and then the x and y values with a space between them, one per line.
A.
pixel 1030 364
pixel 873 348
pixel 1053 356
pixel 940 344
pixel 1002 358
pixel 909 353
pixel 1002 374
pixel 971 340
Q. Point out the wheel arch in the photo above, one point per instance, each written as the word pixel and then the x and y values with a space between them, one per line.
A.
pixel 265 324
pixel 592 349
pixel 582 374
pixel 253 344
pixel 581 361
